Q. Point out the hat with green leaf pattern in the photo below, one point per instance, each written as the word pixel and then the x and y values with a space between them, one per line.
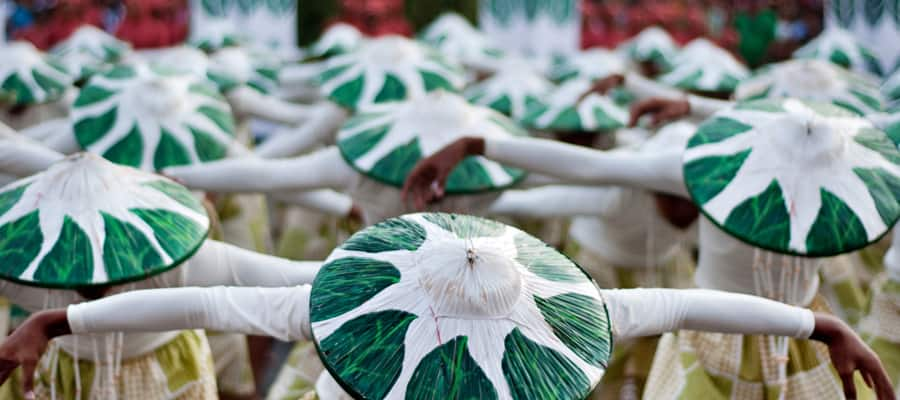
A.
pixel 891 86
pixel 85 222
pixel 386 141
pixel 841 47
pixel 440 305
pixel 566 111
pixel 654 45
pixel 512 90
pixel 339 38
pixel 795 177
pixel 816 80
pixel 704 67
pixel 150 118
pixel 29 77
pixel 255 69
pixel 89 50
pixel 459 41
pixel 590 64
pixel 389 68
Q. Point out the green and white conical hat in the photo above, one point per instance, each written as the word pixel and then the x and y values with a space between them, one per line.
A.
pixel 795 177
pixel 652 44
pixel 338 39
pixel 891 86
pixel 215 35
pixel 563 112
pixel 591 64
pixel 28 77
pixel 254 69
pixel 89 50
pixel 512 90
pixel 386 141
pixel 390 68
pixel 889 122
pixel 703 66
pixel 453 306
pixel 191 60
pixel 459 41
pixel 151 119
pixel 87 222
pixel 840 47
pixel 815 80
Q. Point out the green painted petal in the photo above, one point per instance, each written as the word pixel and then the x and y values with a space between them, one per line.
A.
pixel 92 94
pixel 346 283
pixel 390 235
pixel 433 81
pixel 9 198
pixel 375 339
pixel 885 190
pixel 128 150
pixel 568 120
pixel 170 152
pixel 763 104
pixel 836 227
pixel 359 144
pixel 395 166
pixel 690 82
pixel 708 176
pixel 502 105
pixel 392 89
pixel 449 372
pixel 545 262
pixel 121 72
pixel 126 251
pixel 537 372
pixel 348 93
pixel 20 242
pixel 178 193
pixel 16 89
pixel 49 85
pixel 581 322
pixel 763 219
pixel 71 260
pixel 469 176
pixel 332 73
pixel 221 117
pixel 207 148
pixel 716 130
pixel 89 130
pixel 877 141
pixel 178 235
pixel 466 226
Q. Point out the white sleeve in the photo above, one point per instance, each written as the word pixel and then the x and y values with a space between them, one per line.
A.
pixel 45 129
pixel 248 101
pixel 648 312
pixel 218 263
pixel 22 157
pixel 63 141
pixel 322 169
pixel 704 107
pixel 643 87
pixel 658 172
pixel 557 201
pixel 892 257
pixel 282 313
pixel 324 201
pixel 324 122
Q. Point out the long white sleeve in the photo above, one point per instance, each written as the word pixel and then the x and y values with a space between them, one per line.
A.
pixel 648 312
pixel 322 169
pixel 218 263
pixel 22 157
pixel 644 88
pixel 325 120
pixel 250 102
pixel 282 313
pixel 324 201
pixel 658 172
pixel 556 201
pixel 45 129
pixel 63 141
pixel 703 107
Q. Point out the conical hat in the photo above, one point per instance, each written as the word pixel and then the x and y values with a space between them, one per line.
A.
pixel 512 90
pixel 27 77
pixel 813 80
pixel 795 177
pixel 338 39
pixel 461 42
pixel 565 111
pixel 249 67
pixel 652 44
pixel 147 118
pixel 453 306
pixel 840 47
pixel 891 86
pixel 215 35
pixel 191 60
pixel 591 64
pixel 703 66
pixel 88 50
pixel 387 140
pixel 389 68
pixel 87 222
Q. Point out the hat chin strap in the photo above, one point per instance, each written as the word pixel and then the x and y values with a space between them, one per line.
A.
pixel 471 278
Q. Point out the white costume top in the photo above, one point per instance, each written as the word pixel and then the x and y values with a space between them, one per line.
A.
pixel 215 263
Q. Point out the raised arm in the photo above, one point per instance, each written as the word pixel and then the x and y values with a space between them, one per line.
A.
pixel 647 312
pixel 326 119
pixel 322 169
pixel 250 102
pixel 218 263
pixel 325 201
pixel 556 201
pixel 658 172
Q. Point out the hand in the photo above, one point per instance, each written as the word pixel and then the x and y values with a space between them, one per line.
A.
pixel 425 183
pixel 848 354
pixel 663 110
pixel 27 344
pixel 604 85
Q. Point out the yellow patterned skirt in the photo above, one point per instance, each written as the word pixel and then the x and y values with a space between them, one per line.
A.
pixel 881 328
pixel 297 377
pixel 180 369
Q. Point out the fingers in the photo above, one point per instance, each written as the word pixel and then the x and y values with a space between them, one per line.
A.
pixel 642 108
pixel 876 377
pixel 6 369
pixel 849 386
pixel 28 368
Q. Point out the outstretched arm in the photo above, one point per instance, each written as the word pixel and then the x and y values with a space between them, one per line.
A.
pixel 324 201
pixel 647 312
pixel 556 201
pixel 248 101
pixel 22 157
pixel 45 129
pixel 659 172
pixel 322 169
pixel 326 118
pixel 218 263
